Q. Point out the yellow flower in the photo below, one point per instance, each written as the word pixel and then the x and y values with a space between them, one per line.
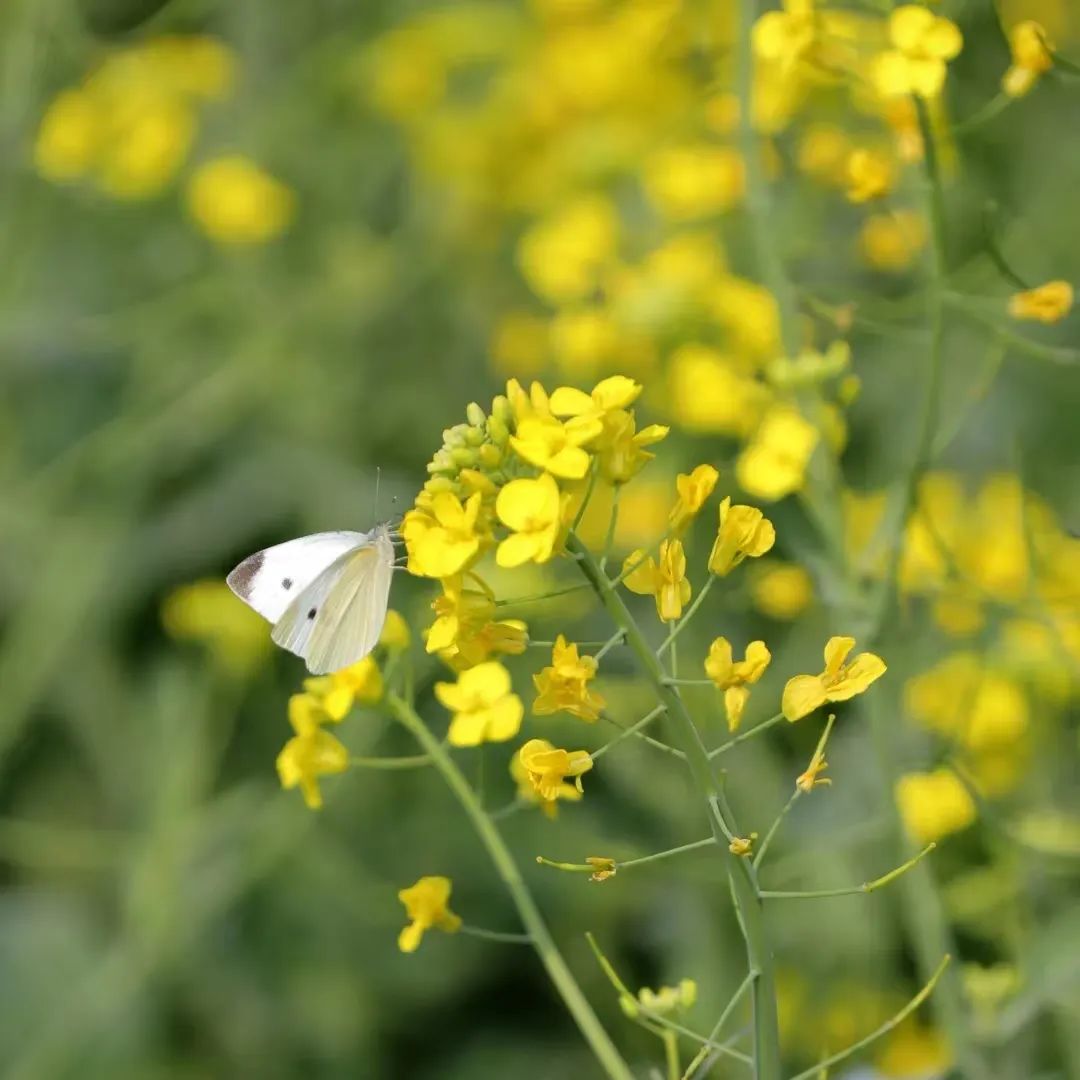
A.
pixel 235 202
pixel 823 154
pixel 426 905
pixel 583 339
pixel 735 677
pixel 311 752
pixel 338 692
pixel 692 489
pixel 812 778
pixel 934 804
pixel 519 344
pixel 533 511
pixel 207 612
pixel 441 536
pixel 620 448
pixel 616 392
pixel 395 635
pixel 781 590
pixel 838 682
pixel 1032 56
pixel 564 685
pixel 922 42
pixel 562 256
pixel 485 708
pixel 548 769
pixel 869 175
pixel 664 579
pixel 774 463
pixel 745 532
pixel 464 632
pixel 555 446
pixel 694 180
pixel 71 133
pixel 603 867
pixel 786 36
pixel 710 395
pixel 741 845
pixel 890 242
pixel 666 999
pixel 1048 303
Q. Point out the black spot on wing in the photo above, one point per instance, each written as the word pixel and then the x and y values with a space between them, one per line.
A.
pixel 286 583
pixel 240 580
pixel 312 613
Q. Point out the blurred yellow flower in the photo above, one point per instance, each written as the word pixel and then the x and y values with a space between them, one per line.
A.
pixel 427 907
pixel 934 805
pixel 519 344
pixel 311 752
pixel 749 316
pixel 408 73
pixel 208 612
pixel 548 768
pixel 483 705
pixel 562 256
pixel 786 36
pixel 69 137
pixel 583 340
pixel 914 1050
pixel 668 999
pixel 869 175
pixel 692 490
pixel 234 201
pixel 564 684
pixel 694 180
pixel 774 463
pixel 1048 303
pixel 735 677
pixel 838 682
pixel 1032 56
pixel 745 532
pixel 891 242
pixel 338 692
pixel 665 580
pixel 533 511
pixel 395 635
pixel 556 446
pixel 709 395
pixel 441 536
pixel 922 42
pixel 823 154
pixel 781 590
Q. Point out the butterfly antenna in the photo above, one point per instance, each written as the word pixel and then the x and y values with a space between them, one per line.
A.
pixel 375 508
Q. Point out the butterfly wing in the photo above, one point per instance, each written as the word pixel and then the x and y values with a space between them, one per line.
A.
pixel 270 580
pixel 337 620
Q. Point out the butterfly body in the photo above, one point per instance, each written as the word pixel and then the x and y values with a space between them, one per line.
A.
pixel 326 594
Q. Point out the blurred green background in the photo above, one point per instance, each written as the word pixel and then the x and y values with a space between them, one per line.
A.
pixel 252 251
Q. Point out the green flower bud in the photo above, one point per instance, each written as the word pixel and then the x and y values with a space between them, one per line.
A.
pixel 475 414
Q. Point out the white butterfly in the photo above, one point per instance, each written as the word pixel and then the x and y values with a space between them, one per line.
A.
pixel 326 594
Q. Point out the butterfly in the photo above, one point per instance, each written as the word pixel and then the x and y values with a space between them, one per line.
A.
pixel 326 594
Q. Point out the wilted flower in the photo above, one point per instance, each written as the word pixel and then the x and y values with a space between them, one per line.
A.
pixel 564 684
pixel 736 677
pixel 549 768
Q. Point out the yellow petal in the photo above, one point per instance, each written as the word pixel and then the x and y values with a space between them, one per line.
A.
pixel 641 580
pixel 836 651
pixel 504 718
pixel 615 392
pixel 409 938
pixel 864 670
pixel 517 549
pixel 568 401
pixel 802 695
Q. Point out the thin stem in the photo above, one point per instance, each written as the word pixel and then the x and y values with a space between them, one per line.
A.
pixel 740 871
pixel 613 521
pixel 495 935
pixel 752 733
pixel 647 719
pixel 646 738
pixel 671 1055
pixel 588 495
pixel 507 810
pixel 677 629
pixel 994 107
pixel 513 601
pixel 639 1009
pixel 759 857
pixel 729 1008
pixel 588 868
pixel 611 643
pixel 1055 354
pixel 415 761
pixel 565 983
pixel 580 644
pixel 865 887
pixel 820 1068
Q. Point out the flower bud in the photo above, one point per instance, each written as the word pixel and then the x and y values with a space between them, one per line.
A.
pixel 475 414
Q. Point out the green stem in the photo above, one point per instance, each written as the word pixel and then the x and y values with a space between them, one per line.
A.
pixel 588 868
pixel 753 733
pixel 633 729
pixel 646 738
pixel 671 1055
pixel 513 601
pixel 565 983
pixel 865 887
pixel 740 871
pixel 729 1008
pixel 495 935
pixel 760 856
pixel 613 521
pixel 677 629
pixel 821 1067
pixel 615 639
